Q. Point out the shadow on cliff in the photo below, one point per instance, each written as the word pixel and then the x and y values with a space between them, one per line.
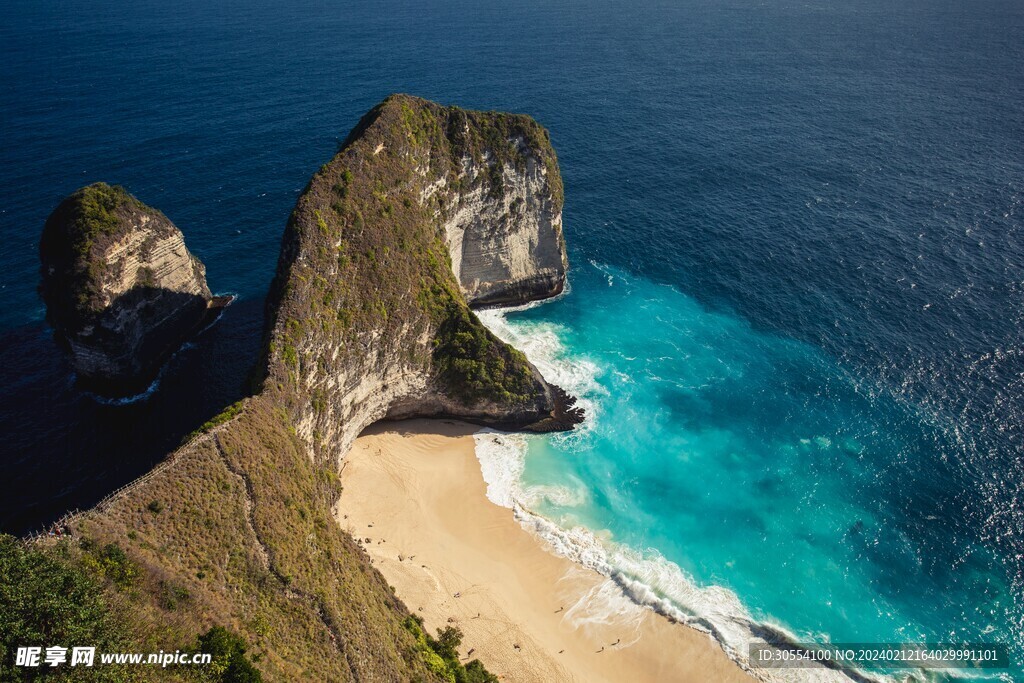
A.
pixel 64 450
pixel 137 333
pixel 422 425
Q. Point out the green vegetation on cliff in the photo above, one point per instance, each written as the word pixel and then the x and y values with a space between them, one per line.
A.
pixel 233 537
pixel 229 665
pixel 474 366
pixel 495 137
pixel 94 211
pixel 87 218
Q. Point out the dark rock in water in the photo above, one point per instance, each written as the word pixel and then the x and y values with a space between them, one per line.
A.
pixel 565 414
pixel 122 291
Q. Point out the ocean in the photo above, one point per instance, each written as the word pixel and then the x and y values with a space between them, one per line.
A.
pixel 797 288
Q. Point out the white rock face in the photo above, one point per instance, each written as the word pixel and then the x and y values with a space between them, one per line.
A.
pixel 154 291
pixel 152 252
pixel 507 248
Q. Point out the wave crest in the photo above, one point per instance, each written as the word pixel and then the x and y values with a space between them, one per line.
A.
pixel 642 578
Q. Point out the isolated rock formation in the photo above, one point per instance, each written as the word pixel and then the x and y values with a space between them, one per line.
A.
pixel 122 291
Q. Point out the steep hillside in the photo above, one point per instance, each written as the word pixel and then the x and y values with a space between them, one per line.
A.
pixel 366 320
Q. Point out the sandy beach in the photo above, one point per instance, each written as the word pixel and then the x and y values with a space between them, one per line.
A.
pixel 414 494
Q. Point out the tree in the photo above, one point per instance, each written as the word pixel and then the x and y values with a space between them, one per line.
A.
pixel 229 661
pixel 46 601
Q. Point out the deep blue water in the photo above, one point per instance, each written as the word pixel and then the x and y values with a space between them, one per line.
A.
pixel 810 213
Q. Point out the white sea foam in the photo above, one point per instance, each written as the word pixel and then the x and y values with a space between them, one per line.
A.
pixel 635 579
pixel 501 472
pixel 127 400
pixel 561 496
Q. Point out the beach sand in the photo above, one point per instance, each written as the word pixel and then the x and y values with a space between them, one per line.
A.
pixel 415 490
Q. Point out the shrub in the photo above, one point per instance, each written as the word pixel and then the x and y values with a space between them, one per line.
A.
pixel 171 595
pixel 44 601
pixel 229 664
pixel 441 654
pixel 477 673
pixel 115 565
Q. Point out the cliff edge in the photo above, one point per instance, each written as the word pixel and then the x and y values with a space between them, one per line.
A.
pixel 500 204
pixel 424 210
pixel 122 291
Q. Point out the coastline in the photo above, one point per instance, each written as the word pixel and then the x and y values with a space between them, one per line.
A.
pixel 415 497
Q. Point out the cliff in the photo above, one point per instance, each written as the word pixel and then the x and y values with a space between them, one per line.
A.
pixel 366 319
pixel 122 291
pixel 501 204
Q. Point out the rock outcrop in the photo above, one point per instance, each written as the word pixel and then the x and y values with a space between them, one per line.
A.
pixel 504 224
pixel 122 291
pixel 367 318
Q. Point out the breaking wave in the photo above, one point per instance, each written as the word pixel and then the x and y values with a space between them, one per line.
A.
pixel 644 578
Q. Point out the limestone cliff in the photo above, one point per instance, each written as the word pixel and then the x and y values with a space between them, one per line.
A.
pixel 503 218
pixel 366 319
pixel 121 289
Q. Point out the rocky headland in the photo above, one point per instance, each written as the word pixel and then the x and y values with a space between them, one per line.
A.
pixel 369 317
pixel 424 211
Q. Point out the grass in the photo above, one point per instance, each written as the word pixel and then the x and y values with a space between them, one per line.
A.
pixel 245 540
pixel 217 420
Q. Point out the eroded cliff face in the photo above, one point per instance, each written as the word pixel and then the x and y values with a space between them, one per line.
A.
pixel 121 289
pixel 506 244
pixel 424 210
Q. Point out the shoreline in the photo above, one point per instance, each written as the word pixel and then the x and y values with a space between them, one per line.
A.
pixel 415 498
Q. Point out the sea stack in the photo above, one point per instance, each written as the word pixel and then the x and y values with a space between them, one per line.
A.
pixel 122 291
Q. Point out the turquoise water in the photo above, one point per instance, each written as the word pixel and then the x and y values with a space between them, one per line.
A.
pixel 802 346
pixel 718 455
